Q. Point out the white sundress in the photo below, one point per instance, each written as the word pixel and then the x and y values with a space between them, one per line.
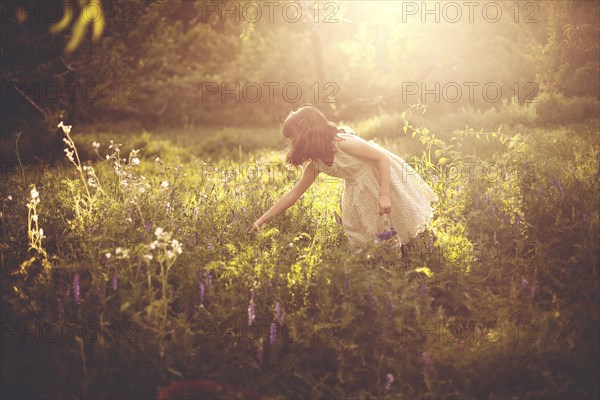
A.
pixel 410 195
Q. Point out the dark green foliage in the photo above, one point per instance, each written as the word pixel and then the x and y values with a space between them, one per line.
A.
pixel 497 299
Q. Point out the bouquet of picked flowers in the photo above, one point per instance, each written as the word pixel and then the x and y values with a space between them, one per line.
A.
pixel 391 248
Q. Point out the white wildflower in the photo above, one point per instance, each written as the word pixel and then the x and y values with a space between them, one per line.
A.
pixel 108 255
pixel 34 193
pixel 148 257
pixel 9 197
pixel 158 231
pixel 164 184
pixel 135 161
pixel 96 145
pixel 118 250
pixel 66 128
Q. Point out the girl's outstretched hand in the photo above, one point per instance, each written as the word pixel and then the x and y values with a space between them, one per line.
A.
pixel 255 228
pixel 384 204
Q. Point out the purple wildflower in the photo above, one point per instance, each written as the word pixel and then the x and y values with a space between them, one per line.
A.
pixel 234 215
pixel 113 280
pixel 148 226
pixel 209 246
pixel 430 244
pixel 389 379
pixel 586 219
pixel 517 219
pixel 279 313
pixel 489 198
pixel 273 333
pixel 560 188
pixel 251 314
pixel 260 350
pixel 59 306
pixel 478 203
pixel 526 167
pixel 427 359
pixel 76 292
pixel 532 290
pixel 385 235
pixel 422 289
pixel 529 288
pixel 196 241
pixel 201 293
pixel 337 217
pixel 346 282
pixel 208 280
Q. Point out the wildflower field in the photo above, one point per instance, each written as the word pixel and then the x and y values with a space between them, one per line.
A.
pixel 129 267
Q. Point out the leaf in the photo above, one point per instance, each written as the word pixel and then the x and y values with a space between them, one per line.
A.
pixel 77 34
pixel 424 270
pixel 98 28
pixel 175 372
pixel 64 22
pixel 405 128
pixel 125 306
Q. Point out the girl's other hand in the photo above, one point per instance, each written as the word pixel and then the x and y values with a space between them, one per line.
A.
pixel 384 204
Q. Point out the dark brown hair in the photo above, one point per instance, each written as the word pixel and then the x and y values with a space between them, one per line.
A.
pixel 312 135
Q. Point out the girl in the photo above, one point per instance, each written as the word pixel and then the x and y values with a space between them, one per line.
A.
pixel 376 181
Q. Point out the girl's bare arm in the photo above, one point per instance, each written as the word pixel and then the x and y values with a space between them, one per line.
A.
pixel 363 150
pixel 287 200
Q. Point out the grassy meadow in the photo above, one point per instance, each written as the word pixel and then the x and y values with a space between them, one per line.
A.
pixel 129 267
